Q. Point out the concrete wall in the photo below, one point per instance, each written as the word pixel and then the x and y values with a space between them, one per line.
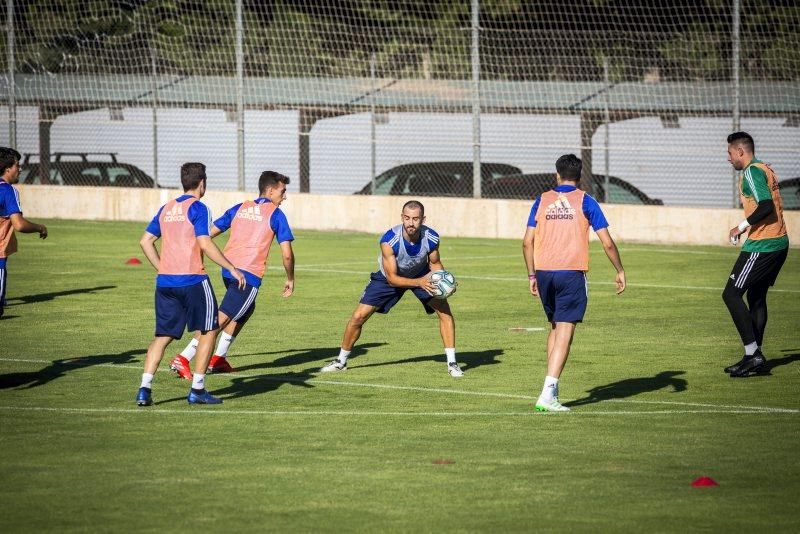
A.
pixel 456 217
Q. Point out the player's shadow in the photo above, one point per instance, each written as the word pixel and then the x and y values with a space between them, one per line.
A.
pixel 772 363
pixel 467 360
pixel 245 386
pixel 632 386
pixel 302 356
pixel 60 368
pixel 43 297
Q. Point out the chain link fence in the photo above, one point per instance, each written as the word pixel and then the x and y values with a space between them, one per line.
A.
pixel 461 98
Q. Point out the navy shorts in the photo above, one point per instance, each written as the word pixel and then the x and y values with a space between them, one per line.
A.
pixel 178 308
pixel 564 295
pixel 380 294
pixel 238 304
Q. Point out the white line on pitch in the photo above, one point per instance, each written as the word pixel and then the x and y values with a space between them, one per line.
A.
pixel 441 390
pixel 521 280
pixel 348 413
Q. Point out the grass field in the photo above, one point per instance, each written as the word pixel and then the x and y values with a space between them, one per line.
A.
pixel 395 443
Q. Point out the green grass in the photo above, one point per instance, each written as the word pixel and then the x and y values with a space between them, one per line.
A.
pixel 292 450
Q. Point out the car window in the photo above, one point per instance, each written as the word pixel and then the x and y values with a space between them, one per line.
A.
pixel 790 195
pixel 620 195
pixel 384 183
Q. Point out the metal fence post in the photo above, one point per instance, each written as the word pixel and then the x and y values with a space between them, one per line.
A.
pixel 12 84
pixel 240 94
pixel 476 101
pixel 735 37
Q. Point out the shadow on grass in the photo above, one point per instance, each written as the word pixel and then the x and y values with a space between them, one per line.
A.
pixel 44 297
pixel 631 387
pixel 469 360
pixel 772 363
pixel 60 368
pixel 302 356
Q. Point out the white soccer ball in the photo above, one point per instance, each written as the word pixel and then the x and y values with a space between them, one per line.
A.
pixel 445 284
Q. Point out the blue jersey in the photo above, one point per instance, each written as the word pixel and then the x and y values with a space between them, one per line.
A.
pixel 591 209
pixel 277 222
pixel 412 258
pixel 200 217
pixel 9 200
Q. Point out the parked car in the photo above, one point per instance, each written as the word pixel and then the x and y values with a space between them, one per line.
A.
pixel 435 179
pixel 76 168
pixel 530 186
pixel 790 193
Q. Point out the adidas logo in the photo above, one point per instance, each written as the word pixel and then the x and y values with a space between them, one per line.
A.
pixel 733 277
pixel 560 209
pixel 175 214
pixel 253 213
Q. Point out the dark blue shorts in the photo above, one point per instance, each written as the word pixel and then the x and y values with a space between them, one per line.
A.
pixel 178 308
pixel 564 295
pixel 380 294
pixel 238 304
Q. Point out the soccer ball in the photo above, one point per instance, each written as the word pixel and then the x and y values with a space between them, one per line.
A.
pixel 445 284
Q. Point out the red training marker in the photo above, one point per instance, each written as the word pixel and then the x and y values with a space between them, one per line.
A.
pixel 704 482
pixel 133 261
pixel 444 462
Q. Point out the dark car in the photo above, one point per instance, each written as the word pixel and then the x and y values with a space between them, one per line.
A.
pixel 79 169
pixel 790 193
pixel 530 186
pixel 435 179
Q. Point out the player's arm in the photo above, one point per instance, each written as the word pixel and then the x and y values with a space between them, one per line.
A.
pixel 613 255
pixel 148 244
pixel 215 231
pixel 395 280
pixel 527 254
pixel 287 254
pixel 211 250
pixel 24 226
pixel 435 260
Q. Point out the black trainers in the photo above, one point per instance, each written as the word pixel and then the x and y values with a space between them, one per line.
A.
pixel 751 365
pixel 735 366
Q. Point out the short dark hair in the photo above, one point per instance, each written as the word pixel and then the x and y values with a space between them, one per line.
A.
pixel 414 204
pixel 569 167
pixel 8 157
pixel 743 139
pixel 192 174
pixel 269 179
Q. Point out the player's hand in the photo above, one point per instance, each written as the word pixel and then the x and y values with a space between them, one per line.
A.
pixel 534 287
pixel 734 235
pixel 42 231
pixel 620 280
pixel 288 288
pixel 239 278
pixel 426 284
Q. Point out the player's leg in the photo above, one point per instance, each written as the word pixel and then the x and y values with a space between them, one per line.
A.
pixel 379 297
pixel 447 329
pixel 235 309
pixel 170 324
pixel 202 316
pixel 180 364
pixel 564 298
pixel 352 332
pixel 3 278
pixel 757 306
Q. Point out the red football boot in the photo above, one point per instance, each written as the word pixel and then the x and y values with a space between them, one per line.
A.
pixel 180 366
pixel 218 364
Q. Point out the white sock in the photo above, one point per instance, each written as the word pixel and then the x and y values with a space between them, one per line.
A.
pixel 190 350
pixel 451 355
pixel 198 381
pixel 750 348
pixel 343 355
pixel 550 389
pixel 225 341
pixel 147 380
